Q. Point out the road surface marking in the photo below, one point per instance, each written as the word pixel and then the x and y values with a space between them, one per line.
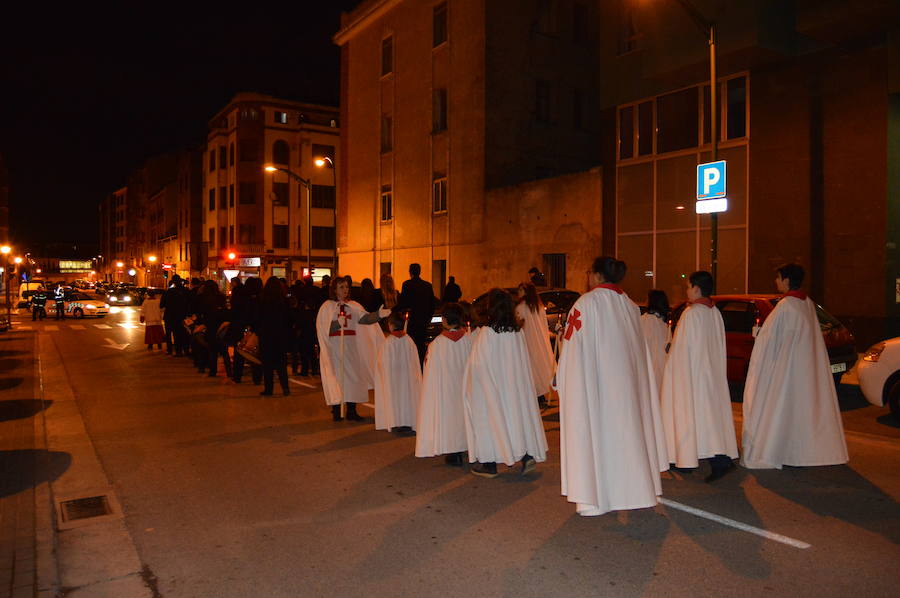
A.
pixel 103 326
pixel 735 524
pixel 23 328
pixel 51 327
pixel 76 326
pixel 110 344
pixel 302 383
pixel 127 325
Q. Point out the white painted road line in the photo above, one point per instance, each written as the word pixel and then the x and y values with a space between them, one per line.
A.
pixel 302 383
pixel 735 524
pixel 51 327
pixel 111 344
pixel 103 326
pixel 76 326
pixel 127 325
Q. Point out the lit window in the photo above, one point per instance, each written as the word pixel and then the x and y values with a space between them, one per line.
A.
pixel 439 195
pixel 280 117
pixel 387 204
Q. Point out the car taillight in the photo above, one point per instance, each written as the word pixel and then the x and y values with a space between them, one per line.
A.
pixel 873 354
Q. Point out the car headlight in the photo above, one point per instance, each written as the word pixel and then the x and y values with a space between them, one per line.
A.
pixel 106 305
pixel 874 353
pixel 112 298
pixel 90 307
pixel 126 298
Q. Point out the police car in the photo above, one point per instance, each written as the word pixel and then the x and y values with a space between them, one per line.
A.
pixel 78 305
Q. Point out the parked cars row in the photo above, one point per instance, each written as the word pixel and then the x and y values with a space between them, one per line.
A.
pixel 879 375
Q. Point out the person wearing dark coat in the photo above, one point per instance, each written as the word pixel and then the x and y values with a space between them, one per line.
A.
pixel 537 277
pixel 417 297
pixel 309 302
pixel 214 312
pixel 274 329
pixel 245 310
pixel 174 304
pixel 452 292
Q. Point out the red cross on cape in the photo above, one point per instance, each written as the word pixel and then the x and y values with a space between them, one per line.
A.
pixel 573 324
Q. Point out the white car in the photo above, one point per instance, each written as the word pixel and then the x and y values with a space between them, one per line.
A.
pixel 879 374
pixel 78 305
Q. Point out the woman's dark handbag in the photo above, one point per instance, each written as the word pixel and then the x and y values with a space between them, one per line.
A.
pixel 248 347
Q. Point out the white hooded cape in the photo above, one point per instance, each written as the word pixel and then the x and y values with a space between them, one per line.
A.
pixel 696 404
pixel 537 341
pixel 791 412
pixel 370 340
pixel 612 446
pixel 345 377
pixel 503 423
pixel 658 335
pixel 398 383
pixel 441 425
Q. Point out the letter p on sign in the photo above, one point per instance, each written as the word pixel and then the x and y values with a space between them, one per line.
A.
pixel 711 180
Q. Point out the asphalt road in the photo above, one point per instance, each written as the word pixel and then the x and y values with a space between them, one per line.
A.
pixel 227 493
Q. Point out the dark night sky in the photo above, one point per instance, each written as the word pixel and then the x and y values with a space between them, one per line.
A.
pixel 88 96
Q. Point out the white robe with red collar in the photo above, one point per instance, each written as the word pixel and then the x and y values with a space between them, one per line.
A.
pixel 791 411
pixel 345 377
pixel 696 404
pixel 441 423
pixel 658 335
pixel 398 383
pixel 537 341
pixel 612 446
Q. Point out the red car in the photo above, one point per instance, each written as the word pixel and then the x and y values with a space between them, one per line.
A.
pixel 743 313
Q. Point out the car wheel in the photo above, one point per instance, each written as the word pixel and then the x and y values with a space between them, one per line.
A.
pixel 78 313
pixel 893 398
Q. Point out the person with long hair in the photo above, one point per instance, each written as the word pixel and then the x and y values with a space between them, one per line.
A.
pixel 398 379
pixel 214 311
pixel 245 311
pixel 345 377
pixel 656 331
pixel 151 316
pixel 388 291
pixel 503 423
pixel 612 445
pixel 532 316
pixel 274 329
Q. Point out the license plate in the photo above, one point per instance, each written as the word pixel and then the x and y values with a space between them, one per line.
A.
pixel 837 368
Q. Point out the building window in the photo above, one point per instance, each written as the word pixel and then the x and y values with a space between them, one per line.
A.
pixel 438 110
pixel 212 159
pixel 212 199
pixel 439 195
pixel 280 117
pixel 222 157
pixel 542 101
pixel 384 268
pixel 223 236
pixel 246 234
pixel 439 25
pixel 628 34
pixel 676 120
pixel 387 134
pixel 546 17
pixel 247 193
pixel 387 55
pixel 323 237
pixel 281 153
pixel 736 102
pixel 231 234
pixel 626 132
pixel 645 129
pixel 211 236
pixel 555 269
pixel 579 23
pixel 223 198
pixel 387 204
pixel 322 151
pixel 231 196
pixel 280 194
pixel 323 196
pixel 231 154
pixel 247 148
pixel 280 236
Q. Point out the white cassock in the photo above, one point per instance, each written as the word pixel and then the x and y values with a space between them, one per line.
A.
pixel 344 375
pixel 441 424
pixel 537 341
pixel 791 412
pixel 658 335
pixel 370 341
pixel 612 446
pixel 503 423
pixel 398 383
pixel 695 402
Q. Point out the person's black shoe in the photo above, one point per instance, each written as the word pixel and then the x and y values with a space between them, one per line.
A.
pixel 719 472
pixel 528 464
pixel 266 393
pixel 454 459
pixel 485 470
pixel 303 372
pixel 672 467
pixel 352 415
pixel 286 392
pixel 336 413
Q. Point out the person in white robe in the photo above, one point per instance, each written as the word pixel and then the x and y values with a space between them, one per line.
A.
pixel 657 334
pixel 612 445
pixel 503 423
pixel 370 340
pixel 398 379
pixel 441 423
pixel 791 411
pixel 345 377
pixel 532 316
pixel 695 401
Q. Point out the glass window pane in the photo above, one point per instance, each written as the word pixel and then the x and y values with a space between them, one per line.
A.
pixel 676 192
pixel 732 259
pixel 637 253
pixel 737 108
pixel 634 195
pixel 675 261
pixel 645 129
pixel 626 132
pixel 676 120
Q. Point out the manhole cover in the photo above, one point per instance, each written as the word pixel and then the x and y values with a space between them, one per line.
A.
pixel 85 508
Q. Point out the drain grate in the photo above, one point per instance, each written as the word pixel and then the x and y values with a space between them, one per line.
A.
pixel 84 508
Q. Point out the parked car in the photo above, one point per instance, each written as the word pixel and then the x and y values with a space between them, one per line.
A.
pixel 123 296
pixel 79 305
pixel 556 301
pixel 743 315
pixel 879 374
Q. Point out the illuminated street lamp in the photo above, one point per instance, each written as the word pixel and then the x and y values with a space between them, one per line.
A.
pixel 17 260
pixel 306 183
pixel 320 162
pixel 120 265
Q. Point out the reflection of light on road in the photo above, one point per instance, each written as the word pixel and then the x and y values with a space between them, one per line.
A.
pixel 128 310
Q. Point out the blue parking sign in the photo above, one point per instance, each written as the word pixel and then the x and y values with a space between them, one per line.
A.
pixel 711 180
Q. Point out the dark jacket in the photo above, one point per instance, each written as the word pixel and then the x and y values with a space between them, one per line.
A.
pixel 175 303
pixel 417 296
pixel 273 325
pixel 452 293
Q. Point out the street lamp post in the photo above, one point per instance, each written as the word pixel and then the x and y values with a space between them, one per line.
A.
pixel 306 183
pixel 6 280
pixel 321 162
pixel 709 30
